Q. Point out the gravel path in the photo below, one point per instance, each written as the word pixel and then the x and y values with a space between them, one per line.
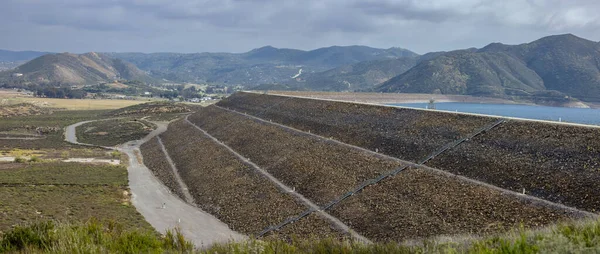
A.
pixel 161 208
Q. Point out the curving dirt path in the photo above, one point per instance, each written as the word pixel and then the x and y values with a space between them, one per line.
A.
pixel 161 208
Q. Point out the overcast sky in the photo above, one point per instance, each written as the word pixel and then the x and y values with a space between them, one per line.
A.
pixel 240 25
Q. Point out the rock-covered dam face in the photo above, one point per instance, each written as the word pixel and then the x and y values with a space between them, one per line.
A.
pixel 277 166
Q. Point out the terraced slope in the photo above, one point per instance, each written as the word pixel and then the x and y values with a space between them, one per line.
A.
pixel 403 133
pixel 155 160
pixel 227 188
pixel 416 203
pixel 319 170
pixel 559 163
pixel 420 203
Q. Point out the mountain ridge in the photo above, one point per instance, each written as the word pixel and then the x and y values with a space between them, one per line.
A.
pixel 559 66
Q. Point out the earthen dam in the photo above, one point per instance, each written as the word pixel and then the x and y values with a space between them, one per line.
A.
pixel 278 166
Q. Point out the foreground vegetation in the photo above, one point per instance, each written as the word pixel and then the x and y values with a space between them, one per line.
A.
pixel 95 237
pixel 69 192
pixel 90 237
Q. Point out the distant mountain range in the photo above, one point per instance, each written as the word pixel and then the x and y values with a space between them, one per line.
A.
pixel 258 66
pixel 73 69
pixel 559 68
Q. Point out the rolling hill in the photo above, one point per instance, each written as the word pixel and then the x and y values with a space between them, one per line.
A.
pixel 360 76
pixel 263 65
pixel 73 69
pixel 557 67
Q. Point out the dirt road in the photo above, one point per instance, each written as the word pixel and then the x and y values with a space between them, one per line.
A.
pixel 161 208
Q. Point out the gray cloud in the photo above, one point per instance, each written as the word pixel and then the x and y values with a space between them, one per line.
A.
pixel 239 25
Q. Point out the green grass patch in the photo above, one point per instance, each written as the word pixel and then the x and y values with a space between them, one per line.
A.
pixel 25 204
pixel 65 173
pixel 90 237
pixel 51 124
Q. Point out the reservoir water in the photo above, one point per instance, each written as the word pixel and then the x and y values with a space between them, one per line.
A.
pixel 572 115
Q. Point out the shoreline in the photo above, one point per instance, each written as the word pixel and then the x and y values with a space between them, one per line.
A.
pixel 401 98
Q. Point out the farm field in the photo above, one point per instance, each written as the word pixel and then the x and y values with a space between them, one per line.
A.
pixel 403 133
pixel 113 131
pixel 223 186
pixel 71 104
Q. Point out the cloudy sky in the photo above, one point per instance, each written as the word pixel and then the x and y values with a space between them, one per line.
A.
pixel 240 25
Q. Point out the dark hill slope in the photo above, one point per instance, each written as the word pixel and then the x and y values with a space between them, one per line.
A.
pixel 360 76
pixel 464 72
pixel 66 68
pixel 258 66
pixel 566 63
pixel 563 63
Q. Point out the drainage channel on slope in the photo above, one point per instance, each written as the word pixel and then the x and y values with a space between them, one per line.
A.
pixel 180 182
pixel 420 164
pixel 312 207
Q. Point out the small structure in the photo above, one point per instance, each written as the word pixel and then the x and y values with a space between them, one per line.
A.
pixel 17 75
pixel 431 104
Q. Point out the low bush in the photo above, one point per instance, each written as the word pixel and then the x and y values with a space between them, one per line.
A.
pixel 90 237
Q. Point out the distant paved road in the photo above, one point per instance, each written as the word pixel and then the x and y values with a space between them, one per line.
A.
pixel 149 195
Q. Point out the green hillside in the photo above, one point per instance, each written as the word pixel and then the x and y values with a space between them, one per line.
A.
pixel 560 67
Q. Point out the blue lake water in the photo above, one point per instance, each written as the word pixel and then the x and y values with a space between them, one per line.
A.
pixel 572 115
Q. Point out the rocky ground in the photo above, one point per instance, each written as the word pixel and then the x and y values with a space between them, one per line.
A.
pixel 225 187
pixel 317 169
pixel 155 160
pixel 560 163
pixel 403 133
pixel 420 203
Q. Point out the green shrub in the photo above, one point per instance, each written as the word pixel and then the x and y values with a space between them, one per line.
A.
pixel 91 237
pixel 19 159
pixel 35 159
pixel 39 235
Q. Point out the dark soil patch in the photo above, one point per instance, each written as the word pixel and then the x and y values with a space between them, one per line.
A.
pixel 419 203
pixel 559 163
